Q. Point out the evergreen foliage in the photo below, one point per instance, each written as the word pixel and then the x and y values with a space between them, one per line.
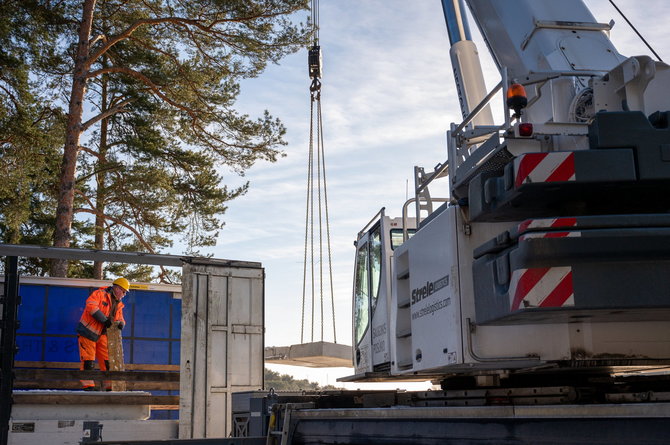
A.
pixel 31 131
pixel 149 127
pixel 285 382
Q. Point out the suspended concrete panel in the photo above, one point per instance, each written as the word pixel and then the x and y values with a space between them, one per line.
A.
pixel 312 355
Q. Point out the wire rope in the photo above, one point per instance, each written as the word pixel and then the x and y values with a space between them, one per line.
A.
pixel 316 196
pixel 636 31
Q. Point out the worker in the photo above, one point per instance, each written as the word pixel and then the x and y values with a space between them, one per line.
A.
pixel 104 310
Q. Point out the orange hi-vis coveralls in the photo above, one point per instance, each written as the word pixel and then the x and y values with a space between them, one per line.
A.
pixel 101 306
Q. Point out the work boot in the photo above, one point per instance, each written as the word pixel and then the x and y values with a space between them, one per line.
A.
pixel 89 385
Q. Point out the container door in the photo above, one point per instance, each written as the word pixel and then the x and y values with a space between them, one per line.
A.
pixel 222 344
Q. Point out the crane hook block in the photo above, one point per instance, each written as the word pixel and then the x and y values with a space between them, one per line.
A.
pixel 314 60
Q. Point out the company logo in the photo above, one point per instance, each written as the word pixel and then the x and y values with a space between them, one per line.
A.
pixel 429 289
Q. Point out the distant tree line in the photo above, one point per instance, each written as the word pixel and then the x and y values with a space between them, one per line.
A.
pixel 118 122
pixel 285 382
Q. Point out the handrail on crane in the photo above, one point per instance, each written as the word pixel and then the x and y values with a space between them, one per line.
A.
pixel 458 136
pixel 378 215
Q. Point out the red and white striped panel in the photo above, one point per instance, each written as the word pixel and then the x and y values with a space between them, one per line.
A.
pixel 541 287
pixel 544 167
pixel 546 223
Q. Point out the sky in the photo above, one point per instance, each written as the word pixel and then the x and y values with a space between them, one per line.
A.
pixel 388 97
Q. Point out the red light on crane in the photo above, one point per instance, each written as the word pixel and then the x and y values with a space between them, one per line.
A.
pixel 525 129
pixel 516 98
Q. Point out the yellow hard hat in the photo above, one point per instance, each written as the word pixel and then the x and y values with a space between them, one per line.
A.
pixel 122 282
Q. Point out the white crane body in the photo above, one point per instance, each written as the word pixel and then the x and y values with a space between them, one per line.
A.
pixel 552 253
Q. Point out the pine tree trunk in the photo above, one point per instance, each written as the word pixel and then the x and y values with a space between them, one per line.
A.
pixel 65 207
pixel 100 192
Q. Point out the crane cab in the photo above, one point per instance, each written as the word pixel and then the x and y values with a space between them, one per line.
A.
pixel 372 292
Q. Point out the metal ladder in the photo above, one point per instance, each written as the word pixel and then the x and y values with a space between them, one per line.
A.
pixel 281 414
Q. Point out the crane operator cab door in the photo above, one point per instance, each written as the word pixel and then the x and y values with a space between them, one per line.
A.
pixel 372 294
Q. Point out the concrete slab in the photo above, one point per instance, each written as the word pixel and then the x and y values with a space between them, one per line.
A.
pixel 82 405
pixel 312 355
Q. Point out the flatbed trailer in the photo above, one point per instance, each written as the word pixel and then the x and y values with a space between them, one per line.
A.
pixel 550 415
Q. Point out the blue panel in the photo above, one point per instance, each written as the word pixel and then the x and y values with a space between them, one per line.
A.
pixel 151 313
pixel 148 351
pixel 30 348
pixel 164 414
pixel 65 306
pixel 176 318
pixel 59 308
pixel 161 414
pixel 126 350
pixel 31 310
pixel 61 349
pixel 175 347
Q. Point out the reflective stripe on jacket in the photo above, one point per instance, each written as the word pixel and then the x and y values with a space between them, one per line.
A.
pixel 100 300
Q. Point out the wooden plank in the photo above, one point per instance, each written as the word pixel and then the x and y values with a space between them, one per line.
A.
pixel 75 365
pixel 115 351
pixel 69 374
pixel 64 384
pixel 164 407
pixel 83 398
pixel 43 365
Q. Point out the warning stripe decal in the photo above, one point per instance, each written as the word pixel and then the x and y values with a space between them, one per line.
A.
pixel 546 223
pixel 544 167
pixel 541 287
pixel 523 282
pixel 561 293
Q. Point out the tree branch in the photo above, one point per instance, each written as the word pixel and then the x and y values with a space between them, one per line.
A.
pixel 89 151
pixel 11 96
pixel 110 167
pixel 128 32
pixel 178 64
pixel 110 112
pixel 197 23
pixel 146 81
pixel 96 38
pixel 118 221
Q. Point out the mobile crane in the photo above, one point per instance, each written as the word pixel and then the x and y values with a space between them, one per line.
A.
pixel 537 294
pixel 552 253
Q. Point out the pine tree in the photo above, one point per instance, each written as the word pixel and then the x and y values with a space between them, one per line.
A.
pixel 31 129
pixel 164 76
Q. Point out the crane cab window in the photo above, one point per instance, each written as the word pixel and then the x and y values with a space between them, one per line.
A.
pixel 361 284
pixel 396 237
pixel 367 282
pixel 375 255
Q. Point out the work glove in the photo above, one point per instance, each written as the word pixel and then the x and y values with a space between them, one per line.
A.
pixel 98 315
pixel 120 325
pixel 108 323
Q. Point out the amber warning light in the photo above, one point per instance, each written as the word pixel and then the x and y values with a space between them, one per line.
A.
pixel 516 98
